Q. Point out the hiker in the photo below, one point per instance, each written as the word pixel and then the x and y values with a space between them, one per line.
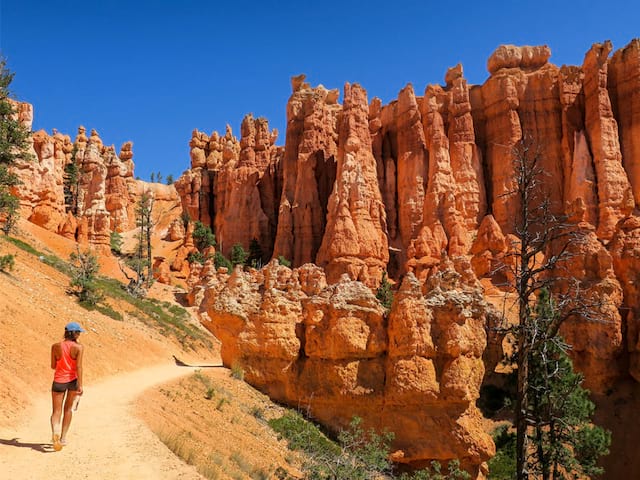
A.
pixel 66 359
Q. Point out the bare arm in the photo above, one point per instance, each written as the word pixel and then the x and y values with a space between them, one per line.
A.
pixel 79 367
pixel 54 357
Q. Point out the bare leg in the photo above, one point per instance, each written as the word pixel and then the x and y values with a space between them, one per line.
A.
pixel 57 399
pixel 68 413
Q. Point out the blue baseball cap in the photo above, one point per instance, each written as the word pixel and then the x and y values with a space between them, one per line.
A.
pixel 74 327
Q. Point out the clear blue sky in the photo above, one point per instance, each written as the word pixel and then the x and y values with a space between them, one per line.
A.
pixel 152 71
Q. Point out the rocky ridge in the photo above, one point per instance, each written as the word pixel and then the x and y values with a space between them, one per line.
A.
pixel 444 177
pixel 333 351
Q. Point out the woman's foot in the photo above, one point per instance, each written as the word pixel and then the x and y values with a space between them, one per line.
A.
pixel 57 444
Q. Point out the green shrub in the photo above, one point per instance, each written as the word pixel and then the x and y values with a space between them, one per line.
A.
pixel 109 312
pixel 303 435
pixel 220 260
pixel 115 243
pixel 196 257
pixel 7 262
pixel 257 412
pixel 238 255
pixel 85 266
pixel 434 472
pixel 358 455
pixel 221 403
pixel 237 371
pixel 283 261
pixel 203 237
pixel 503 465
pixel 384 293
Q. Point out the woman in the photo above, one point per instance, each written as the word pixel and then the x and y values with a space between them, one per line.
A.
pixel 66 359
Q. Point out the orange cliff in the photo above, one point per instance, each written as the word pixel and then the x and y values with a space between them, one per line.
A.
pixel 332 349
pixel 443 169
pixel 105 195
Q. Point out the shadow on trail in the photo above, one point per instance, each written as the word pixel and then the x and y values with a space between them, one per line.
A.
pixel 38 447
pixel 180 363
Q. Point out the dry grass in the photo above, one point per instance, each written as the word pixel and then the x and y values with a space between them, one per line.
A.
pixel 226 420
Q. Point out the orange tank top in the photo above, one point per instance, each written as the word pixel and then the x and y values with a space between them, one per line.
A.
pixel 66 367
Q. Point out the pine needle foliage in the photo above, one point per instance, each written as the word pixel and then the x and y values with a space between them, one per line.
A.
pixel 14 145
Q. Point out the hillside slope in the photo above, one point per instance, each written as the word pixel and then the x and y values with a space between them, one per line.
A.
pixel 123 361
pixel 34 308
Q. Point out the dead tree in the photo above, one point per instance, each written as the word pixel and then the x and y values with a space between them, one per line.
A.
pixel 534 266
pixel 140 260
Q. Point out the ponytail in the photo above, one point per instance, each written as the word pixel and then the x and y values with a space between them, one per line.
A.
pixel 70 335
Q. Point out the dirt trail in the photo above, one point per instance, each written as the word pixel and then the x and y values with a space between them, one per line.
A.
pixel 106 440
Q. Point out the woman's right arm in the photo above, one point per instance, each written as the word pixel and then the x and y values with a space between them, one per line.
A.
pixel 79 368
pixel 53 356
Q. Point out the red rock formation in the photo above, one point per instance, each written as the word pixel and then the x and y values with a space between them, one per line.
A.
pixel 106 194
pixel 354 240
pixel 243 213
pixel 383 138
pixel 624 75
pixel 330 349
pixel 455 199
pixel 434 369
pixel 234 186
pixel 119 186
pixel 439 201
pixel 309 171
pixel 579 174
pixel 595 335
pixel 521 103
pixel 41 192
pixel 466 157
pixel 625 250
pixel 92 191
pixel 412 165
pixel 615 197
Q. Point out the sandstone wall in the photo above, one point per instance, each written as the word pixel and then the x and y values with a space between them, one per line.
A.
pixel 104 196
pixel 361 190
pixel 332 349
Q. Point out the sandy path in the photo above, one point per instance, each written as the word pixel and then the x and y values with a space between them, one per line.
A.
pixel 106 440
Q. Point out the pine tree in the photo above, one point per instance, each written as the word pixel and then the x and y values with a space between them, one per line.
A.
pixel 219 260
pixel 115 242
pixel 566 443
pixel 203 237
pixel 255 253
pixel 85 267
pixel 140 260
pixel 238 255
pixel 13 145
pixel 384 293
pixel 72 183
pixel 544 238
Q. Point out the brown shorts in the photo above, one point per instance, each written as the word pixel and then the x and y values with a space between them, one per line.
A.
pixel 63 387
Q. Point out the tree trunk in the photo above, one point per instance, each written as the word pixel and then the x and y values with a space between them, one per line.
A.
pixel 522 405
